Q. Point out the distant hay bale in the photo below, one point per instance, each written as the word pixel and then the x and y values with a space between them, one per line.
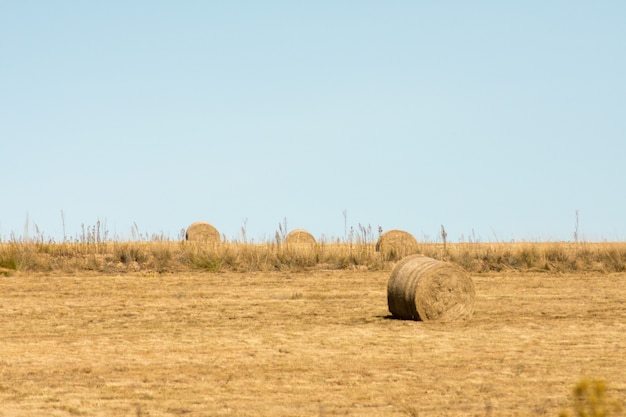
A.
pixel 422 288
pixel 396 244
pixel 299 237
pixel 202 232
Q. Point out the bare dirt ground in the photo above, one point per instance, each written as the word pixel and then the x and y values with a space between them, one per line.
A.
pixel 306 344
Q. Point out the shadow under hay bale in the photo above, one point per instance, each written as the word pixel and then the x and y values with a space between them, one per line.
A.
pixel 299 237
pixel 422 288
pixel 202 232
pixel 396 244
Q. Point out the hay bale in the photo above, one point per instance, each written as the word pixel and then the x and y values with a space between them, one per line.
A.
pixel 422 288
pixel 202 232
pixel 299 237
pixel 396 244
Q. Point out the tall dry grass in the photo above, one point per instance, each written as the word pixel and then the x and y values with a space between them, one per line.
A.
pixel 166 256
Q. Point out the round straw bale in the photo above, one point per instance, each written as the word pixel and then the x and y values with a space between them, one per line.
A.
pixel 396 244
pixel 422 288
pixel 299 236
pixel 202 232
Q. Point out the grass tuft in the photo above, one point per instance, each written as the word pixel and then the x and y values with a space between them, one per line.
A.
pixel 591 399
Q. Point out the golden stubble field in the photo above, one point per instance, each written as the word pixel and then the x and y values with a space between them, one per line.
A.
pixel 301 344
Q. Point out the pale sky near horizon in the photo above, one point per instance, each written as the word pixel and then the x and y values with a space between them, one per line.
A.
pixel 498 120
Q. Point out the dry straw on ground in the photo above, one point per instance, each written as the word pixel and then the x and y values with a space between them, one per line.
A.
pixel 300 344
pixel 299 236
pixel 422 288
pixel 202 232
pixel 396 244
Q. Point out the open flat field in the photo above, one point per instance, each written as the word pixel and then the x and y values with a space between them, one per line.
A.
pixel 301 344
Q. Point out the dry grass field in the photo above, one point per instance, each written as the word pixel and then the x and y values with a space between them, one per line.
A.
pixel 112 257
pixel 308 343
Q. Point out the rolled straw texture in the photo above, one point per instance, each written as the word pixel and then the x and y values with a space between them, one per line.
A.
pixel 299 236
pixel 422 288
pixel 202 232
pixel 396 244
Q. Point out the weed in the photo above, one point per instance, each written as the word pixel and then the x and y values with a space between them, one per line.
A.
pixel 209 263
pixel 591 399
pixel 128 253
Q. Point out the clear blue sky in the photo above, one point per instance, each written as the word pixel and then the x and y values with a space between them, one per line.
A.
pixel 498 120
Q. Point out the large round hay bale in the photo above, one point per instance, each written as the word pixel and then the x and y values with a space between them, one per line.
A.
pixel 422 288
pixel 299 237
pixel 396 244
pixel 202 232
